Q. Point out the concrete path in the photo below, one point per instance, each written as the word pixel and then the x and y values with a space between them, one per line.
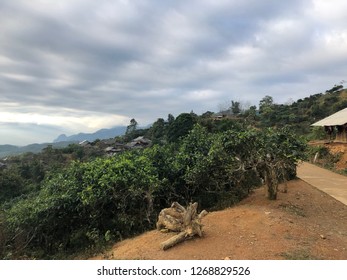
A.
pixel 329 182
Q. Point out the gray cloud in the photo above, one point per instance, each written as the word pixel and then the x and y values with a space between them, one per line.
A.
pixel 146 59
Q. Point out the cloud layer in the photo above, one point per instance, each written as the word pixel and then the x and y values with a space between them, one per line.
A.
pixel 83 64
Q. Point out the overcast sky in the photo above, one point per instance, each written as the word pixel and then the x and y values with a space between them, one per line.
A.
pixel 73 66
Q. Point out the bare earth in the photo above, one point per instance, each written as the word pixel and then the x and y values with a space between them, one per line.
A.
pixel 303 223
pixel 341 149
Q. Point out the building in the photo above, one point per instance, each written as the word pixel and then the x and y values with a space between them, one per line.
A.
pixel 139 143
pixel 335 123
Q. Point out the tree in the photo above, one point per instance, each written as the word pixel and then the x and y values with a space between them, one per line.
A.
pixel 265 105
pixel 235 107
pixel 131 127
pixel 251 113
pixel 207 115
pixel 280 151
pixel 157 132
pixel 267 112
pixel 181 126
pixel 170 119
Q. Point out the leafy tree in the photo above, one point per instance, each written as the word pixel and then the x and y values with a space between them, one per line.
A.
pixel 267 111
pixel 191 160
pixel 157 132
pixel 265 104
pixel 280 150
pixel 235 107
pixel 170 119
pixel 207 115
pixel 181 126
pixel 251 114
pixel 215 167
pixel 131 127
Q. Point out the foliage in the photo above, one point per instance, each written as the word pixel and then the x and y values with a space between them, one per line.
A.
pixel 105 199
pixel 86 202
pixel 11 184
pixel 235 107
pixel 317 133
pixel 157 132
pixel 181 126
pixel 132 126
pixel 281 150
pixel 301 114
pixel 322 156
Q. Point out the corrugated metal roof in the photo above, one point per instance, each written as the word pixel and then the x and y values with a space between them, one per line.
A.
pixel 339 118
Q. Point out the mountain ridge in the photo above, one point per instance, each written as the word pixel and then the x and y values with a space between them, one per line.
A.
pixel 104 133
pixel 62 141
pixel 12 150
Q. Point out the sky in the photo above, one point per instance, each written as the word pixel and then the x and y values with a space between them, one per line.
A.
pixel 72 66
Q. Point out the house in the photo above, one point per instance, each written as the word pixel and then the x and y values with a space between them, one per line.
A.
pixel 115 149
pixel 84 143
pixel 336 122
pixel 139 143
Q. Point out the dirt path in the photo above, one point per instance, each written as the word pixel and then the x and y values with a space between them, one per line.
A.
pixel 325 180
pixel 304 223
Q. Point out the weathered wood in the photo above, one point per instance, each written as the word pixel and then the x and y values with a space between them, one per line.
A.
pixel 202 214
pixel 179 219
pixel 173 241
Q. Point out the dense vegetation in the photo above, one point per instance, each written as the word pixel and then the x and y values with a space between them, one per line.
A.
pixel 64 200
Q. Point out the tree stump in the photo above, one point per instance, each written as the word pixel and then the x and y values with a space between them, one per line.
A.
pixel 186 221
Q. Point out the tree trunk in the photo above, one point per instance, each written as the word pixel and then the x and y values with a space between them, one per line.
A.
pixel 179 219
pixel 271 182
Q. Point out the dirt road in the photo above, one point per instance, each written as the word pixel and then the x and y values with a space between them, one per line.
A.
pixel 329 182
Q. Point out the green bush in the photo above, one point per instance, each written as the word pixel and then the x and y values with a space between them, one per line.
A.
pixel 78 207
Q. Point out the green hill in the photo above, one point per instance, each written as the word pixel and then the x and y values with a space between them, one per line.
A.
pixel 10 150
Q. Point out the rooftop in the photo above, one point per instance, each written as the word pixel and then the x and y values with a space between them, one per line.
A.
pixel 339 118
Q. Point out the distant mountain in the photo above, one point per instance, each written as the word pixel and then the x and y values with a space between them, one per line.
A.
pixel 11 150
pixel 62 141
pixel 104 133
pixel 7 149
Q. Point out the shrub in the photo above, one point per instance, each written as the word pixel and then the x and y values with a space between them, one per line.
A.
pixel 78 207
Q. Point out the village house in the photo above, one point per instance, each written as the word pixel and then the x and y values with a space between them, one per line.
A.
pixel 336 123
pixel 116 148
pixel 139 143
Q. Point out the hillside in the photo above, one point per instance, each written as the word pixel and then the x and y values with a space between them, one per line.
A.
pixel 214 160
pixel 303 223
pixel 300 114
pixel 7 150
